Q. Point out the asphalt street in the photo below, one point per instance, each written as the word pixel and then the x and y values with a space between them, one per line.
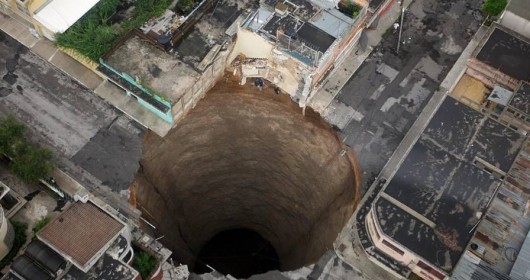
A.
pixel 390 89
pixel 67 118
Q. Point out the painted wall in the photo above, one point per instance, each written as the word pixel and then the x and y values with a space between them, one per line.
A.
pixel 408 258
pixel 7 235
pixel 251 45
pixel 26 11
pixel 516 23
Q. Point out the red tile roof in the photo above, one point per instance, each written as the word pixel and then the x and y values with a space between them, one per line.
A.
pixel 80 232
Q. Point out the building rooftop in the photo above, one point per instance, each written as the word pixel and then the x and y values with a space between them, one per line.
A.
pixel 472 267
pixel 107 268
pixel 507 52
pixel 439 192
pixel 287 25
pixel 332 22
pixel 502 232
pixel 521 267
pixel 157 70
pixel 314 37
pixel 26 268
pixel 521 98
pixel 44 256
pixel 496 144
pixel 305 29
pixel 413 234
pixel 500 95
pixel 81 233
pixel 167 70
pixel 520 8
pixel 447 192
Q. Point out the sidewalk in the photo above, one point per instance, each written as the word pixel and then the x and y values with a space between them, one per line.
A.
pixel 323 100
pixel 82 74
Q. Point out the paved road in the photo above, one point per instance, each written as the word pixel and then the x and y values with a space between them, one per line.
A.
pixel 66 117
pixel 390 90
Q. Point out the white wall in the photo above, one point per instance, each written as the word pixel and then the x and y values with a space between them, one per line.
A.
pixel 251 45
pixel 516 23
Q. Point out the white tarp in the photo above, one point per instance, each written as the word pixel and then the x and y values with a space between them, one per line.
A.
pixel 59 15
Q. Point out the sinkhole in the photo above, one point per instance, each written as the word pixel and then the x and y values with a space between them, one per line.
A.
pixel 246 183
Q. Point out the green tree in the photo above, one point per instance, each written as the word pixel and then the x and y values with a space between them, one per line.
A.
pixel 32 163
pixel 185 6
pixel 93 35
pixel 493 7
pixel 144 263
pixel 11 135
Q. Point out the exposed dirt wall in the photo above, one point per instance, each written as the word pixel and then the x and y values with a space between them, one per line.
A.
pixel 248 159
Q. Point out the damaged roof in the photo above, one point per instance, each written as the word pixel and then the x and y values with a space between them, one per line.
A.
pixel 438 194
pixel 508 53
pixel 521 98
pixel 81 232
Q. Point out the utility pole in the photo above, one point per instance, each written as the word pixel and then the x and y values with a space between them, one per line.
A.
pixel 400 29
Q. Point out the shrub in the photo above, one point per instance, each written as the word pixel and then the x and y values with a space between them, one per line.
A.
pixel 144 263
pixel 493 7
pixel 42 222
pixel 93 35
pixel 185 6
pixel 11 135
pixel 30 163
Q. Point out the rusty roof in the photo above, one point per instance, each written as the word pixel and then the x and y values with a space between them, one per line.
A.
pixel 81 232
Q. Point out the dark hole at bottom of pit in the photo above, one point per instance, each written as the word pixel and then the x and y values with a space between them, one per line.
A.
pixel 238 252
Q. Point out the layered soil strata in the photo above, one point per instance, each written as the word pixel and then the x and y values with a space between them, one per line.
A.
pixel 248 159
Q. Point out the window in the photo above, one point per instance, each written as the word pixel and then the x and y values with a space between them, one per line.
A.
pixel 431 270
pixel 391 246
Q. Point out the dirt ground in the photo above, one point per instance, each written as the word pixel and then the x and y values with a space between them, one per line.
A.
pixel 249 159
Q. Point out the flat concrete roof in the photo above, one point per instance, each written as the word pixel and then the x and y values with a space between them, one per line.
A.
pixel 332 22
pixel 436 195
pixel 508 53
pixel 520 8
pixel 314 37
pixel 157 70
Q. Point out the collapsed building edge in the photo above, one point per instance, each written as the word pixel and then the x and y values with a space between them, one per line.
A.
pixel 293 44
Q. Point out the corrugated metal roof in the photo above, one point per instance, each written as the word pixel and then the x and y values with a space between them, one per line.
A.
pixel 500 95
pixel 332 22
pixel 472 267
pixel 258 19
pixel 59 15
pixel 521 267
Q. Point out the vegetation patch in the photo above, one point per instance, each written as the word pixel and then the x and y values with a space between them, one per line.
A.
pixel 494 7
pixel 29 162
pixel 96 32
pixel 41 223
pixel 20 240
pixel 349 8
pixel 184 7
pixel 143 262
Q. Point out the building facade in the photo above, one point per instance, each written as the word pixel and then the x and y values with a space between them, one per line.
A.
pixel 48 17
